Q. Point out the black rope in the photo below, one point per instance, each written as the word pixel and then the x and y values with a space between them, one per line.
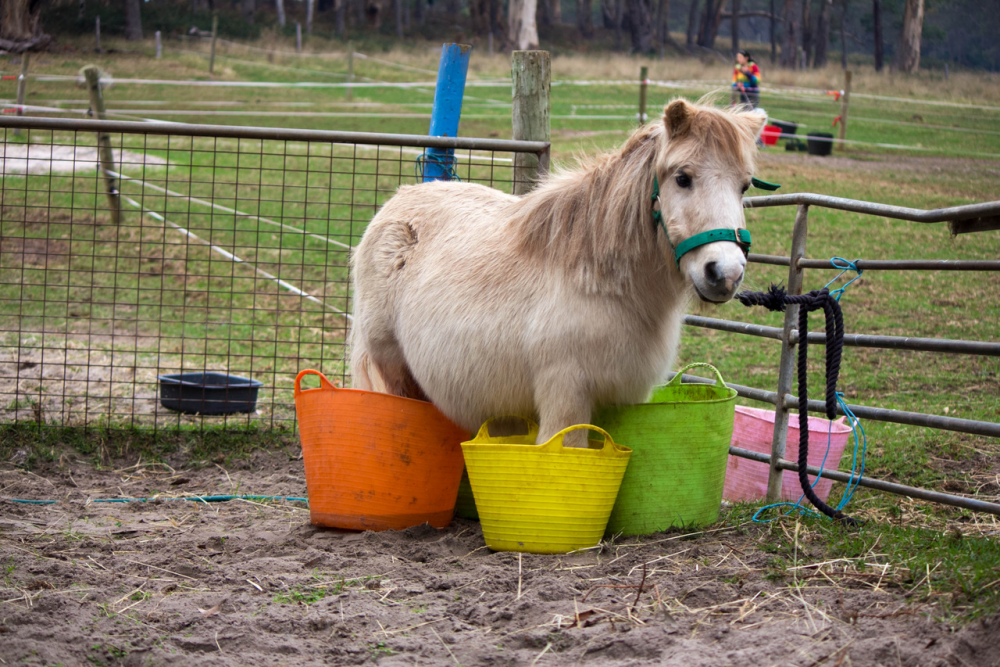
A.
pixel 776 299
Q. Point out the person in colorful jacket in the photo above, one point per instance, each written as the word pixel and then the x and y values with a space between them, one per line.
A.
pixel 746 80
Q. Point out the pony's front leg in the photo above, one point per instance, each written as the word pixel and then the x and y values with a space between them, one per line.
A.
pixel 562 402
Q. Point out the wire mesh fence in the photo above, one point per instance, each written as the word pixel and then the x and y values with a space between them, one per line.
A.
pixel 230 256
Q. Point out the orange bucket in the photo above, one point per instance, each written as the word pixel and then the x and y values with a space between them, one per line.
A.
pixel 375 461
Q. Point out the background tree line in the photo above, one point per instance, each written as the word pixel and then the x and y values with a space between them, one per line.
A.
pixel 797 33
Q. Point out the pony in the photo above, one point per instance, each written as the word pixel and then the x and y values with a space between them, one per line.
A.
pixel 568 297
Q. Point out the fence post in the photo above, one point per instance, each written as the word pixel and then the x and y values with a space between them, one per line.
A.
pixel 215 32
pixel 438 163
pixel 97 34
pixel 298 37
pixel 844 101
pixel 531 72
pixel 309 16
pixel 159 46
pixel 643 72
pixel 786 367
pixel 22 87
pixel 350 70
pixel 93 77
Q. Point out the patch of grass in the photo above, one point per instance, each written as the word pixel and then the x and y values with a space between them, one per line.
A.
pixel 956 574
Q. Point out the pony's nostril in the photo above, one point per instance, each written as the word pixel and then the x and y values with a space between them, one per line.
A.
pixel 712 274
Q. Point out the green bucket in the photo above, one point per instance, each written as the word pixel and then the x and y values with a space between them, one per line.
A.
pixel 465 505
pixel 680 445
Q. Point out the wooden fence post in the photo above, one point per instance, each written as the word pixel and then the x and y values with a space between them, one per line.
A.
pixel 97 34
pixel 159 46
pixel 22 87
pixel 215 32
pixel 643 73
pixel 298 37
pixel 350 70
pixel 106 157
pixel 532 73
pixel 844 102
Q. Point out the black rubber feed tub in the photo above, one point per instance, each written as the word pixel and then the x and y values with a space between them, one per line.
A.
pixel 208 393
pixel 787 129
pixel 819 143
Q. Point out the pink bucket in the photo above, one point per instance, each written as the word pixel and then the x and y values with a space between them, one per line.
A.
pixel 753 430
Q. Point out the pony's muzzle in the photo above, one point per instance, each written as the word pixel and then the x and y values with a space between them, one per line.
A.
pixel 721 280
pixel 719 277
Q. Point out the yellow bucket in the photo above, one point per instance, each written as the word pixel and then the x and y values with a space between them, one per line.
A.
pixel 544 498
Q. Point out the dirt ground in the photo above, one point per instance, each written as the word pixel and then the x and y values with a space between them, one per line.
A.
pixel 250 582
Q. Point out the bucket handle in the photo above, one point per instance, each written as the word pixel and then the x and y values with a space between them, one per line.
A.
pixel 484 430
pixel 556 442
pixel 676 380
pixel 323 382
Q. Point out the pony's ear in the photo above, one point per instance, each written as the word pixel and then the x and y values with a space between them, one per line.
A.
pixel 677 118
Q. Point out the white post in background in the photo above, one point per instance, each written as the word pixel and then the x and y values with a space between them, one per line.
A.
pixel 159 46
pixel 309 16
pixel 298 36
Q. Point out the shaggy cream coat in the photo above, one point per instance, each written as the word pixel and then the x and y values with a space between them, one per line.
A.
pixel 569 297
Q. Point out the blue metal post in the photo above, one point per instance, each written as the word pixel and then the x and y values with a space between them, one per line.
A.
pixel 438 162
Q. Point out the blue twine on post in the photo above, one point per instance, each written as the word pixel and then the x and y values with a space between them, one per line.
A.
pixel 845 267
pixel 446 162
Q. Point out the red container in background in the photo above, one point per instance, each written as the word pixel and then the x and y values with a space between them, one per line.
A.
pixel 770 135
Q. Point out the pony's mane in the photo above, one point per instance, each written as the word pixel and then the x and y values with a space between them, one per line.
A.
pixel 596 220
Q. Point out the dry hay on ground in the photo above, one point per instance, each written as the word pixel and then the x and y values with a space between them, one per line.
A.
pixel 252 582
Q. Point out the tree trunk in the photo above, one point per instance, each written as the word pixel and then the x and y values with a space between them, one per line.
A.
pixel 556 12
pixel 544 14
pixel 399 17
pixel 279 7
pixel 843 35
pixel 908 53
pixel 584 18
pixel 710 22
pixel 705 18
pixel 807 35
pixel 641 26
pixel 877 19
pixel 619 6
pixel 774 39
pixel 789 41
pixel 823 34
pixel 133 21
pixel 692 18
pixel 418 11
pixel 247 8
pixel 338 16
pixel 735 27
pixel 523 29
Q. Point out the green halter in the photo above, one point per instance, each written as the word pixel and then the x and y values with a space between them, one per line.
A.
pixel 740 237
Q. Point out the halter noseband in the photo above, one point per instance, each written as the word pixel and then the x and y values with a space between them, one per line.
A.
pixel 740 237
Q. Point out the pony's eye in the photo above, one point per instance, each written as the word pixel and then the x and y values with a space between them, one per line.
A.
pixel 683 180
pixel 745 188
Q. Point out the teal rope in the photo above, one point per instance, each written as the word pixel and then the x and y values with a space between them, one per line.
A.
pixel 846 266
pixel 204 499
